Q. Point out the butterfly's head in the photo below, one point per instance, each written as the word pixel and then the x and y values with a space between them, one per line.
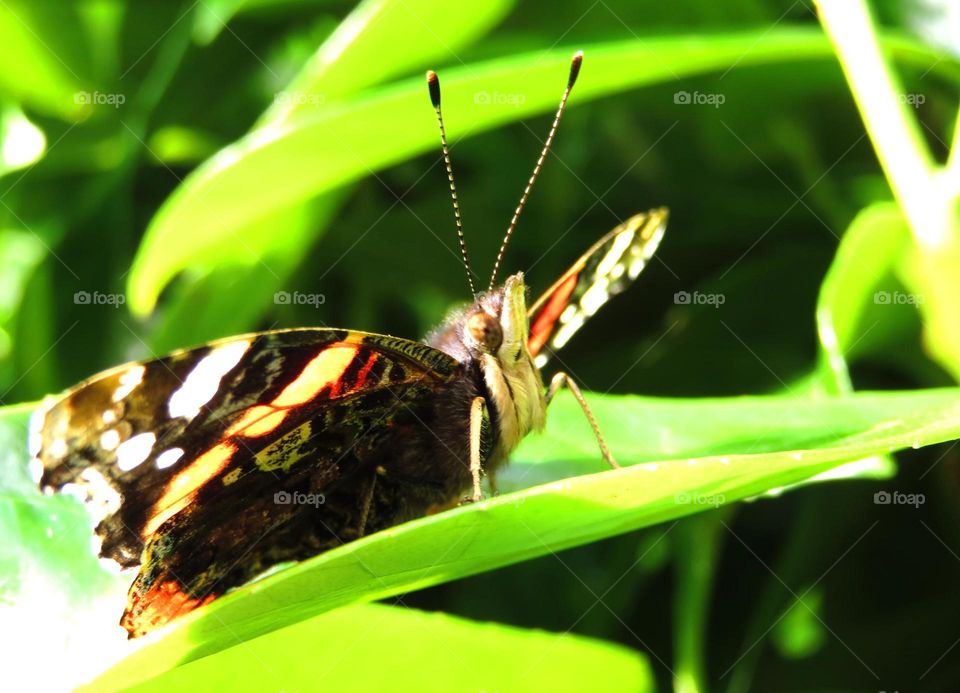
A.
pixel 494 332
pixel 496 324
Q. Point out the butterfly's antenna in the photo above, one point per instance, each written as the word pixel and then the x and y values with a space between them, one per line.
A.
pixel 433 82
pixel 574 71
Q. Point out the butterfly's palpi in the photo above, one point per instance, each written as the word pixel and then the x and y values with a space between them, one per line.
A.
pixel 206 467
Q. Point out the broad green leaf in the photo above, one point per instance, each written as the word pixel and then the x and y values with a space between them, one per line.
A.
pixel 353 58
pixel 322 149
pixel 800 438
pixel 232 291
pixel 258 258
pixel 376 647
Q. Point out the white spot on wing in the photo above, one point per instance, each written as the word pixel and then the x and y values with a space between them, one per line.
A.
pixel 640 254
pixel 96 493
pixel 567 330
pixel 169 457
pixel 35 468
pixel 109 440
pixel 594 297
pixel 128 381
pixel 131 453
pixel 35 439
pixel 620 244
pixel 202 383
pixel 58 448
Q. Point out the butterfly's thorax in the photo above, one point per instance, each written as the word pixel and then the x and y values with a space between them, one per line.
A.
pixel 503 368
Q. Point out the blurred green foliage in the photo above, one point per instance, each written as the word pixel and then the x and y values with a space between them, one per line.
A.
pixel 167 168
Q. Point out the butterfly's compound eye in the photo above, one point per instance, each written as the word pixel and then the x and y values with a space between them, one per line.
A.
pixel 485 331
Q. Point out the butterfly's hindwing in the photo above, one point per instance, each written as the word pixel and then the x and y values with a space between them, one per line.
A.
pixel 604 271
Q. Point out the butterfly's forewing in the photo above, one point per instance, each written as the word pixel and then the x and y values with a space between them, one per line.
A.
pixel 605 270
pixel 183 455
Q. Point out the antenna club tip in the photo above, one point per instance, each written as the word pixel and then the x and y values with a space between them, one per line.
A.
pixel 575 68
pixel 433 82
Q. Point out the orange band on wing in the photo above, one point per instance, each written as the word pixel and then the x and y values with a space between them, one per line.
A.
pixel 543 325
pixel 326 369
pixel 187 481
pixel 164 601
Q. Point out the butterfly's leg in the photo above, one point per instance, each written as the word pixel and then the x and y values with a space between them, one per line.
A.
pixel 367 503
pixel 476 430
pixel 561 379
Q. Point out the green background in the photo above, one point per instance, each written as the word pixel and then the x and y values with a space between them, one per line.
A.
pixel 289 146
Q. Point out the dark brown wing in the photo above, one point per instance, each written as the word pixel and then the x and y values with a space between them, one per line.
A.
pixel 182 458
pixel 605 270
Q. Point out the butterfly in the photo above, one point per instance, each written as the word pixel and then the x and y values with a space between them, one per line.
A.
pixel 211 465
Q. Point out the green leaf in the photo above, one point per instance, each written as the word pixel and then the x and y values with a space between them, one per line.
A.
pixel 31 70
pixel 791 439
pixel 234 282
pixel 355 57
pixel 320 149
pixel 377 647
pixel 211 17
pixel 869 252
